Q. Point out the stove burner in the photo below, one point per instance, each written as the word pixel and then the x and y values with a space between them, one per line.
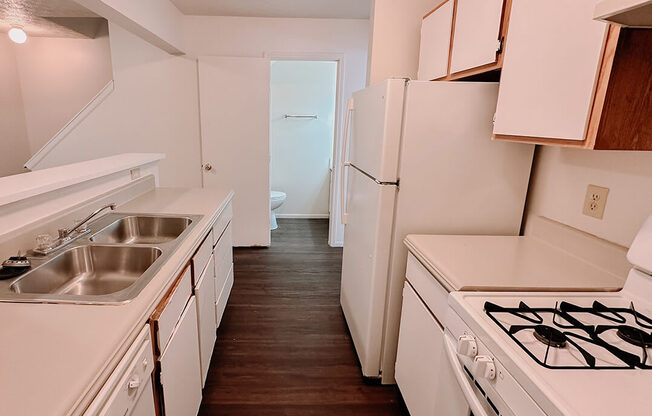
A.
pixel 635 336
pixel 549 336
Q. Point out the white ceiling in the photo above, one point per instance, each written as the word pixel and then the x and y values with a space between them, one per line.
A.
pixel 335 9
pixel 54 18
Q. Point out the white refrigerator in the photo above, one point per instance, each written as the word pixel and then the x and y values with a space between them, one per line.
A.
pixel 420 160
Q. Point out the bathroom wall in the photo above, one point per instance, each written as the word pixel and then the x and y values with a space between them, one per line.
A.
pixel 301 149
pixel 560 177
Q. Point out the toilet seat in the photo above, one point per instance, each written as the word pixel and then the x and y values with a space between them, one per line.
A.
pixel 277 195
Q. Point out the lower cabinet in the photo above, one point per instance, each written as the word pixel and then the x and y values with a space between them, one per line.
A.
pixel 205 293
pixel 419 356
pixel 180 372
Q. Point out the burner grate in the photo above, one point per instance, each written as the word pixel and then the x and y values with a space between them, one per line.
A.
pixel 567 331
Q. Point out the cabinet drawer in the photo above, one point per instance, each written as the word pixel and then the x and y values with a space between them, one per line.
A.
pixel 202 256
pixel 169 311
pixel 223 297
pixel 223 257
pixel 427 287
pixel 221 223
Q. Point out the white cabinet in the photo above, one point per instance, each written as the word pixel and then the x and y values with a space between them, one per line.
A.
pixel 205 293
pixel 223 272
pixel 436 42
pixel 550 69
pixel 476 40
pixel 180 375
pixel 419 356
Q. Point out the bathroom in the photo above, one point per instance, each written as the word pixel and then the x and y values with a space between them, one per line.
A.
pixel 302 127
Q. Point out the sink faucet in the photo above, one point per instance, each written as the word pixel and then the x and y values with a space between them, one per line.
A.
pixel 66 232
pixel 66 235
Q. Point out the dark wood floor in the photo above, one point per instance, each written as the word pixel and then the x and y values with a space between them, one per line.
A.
pixel 283 347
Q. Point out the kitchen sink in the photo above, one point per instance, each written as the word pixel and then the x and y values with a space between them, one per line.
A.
pixel 141 229
pixel 122 255
pixel 89 270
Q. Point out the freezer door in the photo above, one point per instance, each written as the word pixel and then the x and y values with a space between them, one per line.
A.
pixel 367 239
pixel 376 129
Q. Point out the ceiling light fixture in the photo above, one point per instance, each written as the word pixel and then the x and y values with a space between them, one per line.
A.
pixel 17 35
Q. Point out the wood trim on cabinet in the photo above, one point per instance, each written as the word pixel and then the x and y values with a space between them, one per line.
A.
pixel 436 8
pixel 602 84
pixel 542 140
pixel 626 119
pixel 153 318
pixel 450 46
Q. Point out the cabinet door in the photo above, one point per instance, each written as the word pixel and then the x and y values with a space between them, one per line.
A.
pixel 180 369
pixel 476 34
pixel 205 293
pixel 549 70
pixel 436 42
pixel 418 360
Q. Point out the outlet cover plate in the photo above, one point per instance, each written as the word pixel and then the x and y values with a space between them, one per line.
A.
pixel 595 201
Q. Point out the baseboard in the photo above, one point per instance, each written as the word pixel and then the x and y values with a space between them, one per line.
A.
pixel 305 216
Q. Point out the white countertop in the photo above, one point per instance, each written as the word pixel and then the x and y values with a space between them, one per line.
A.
pixel 56 357
pixel 508 263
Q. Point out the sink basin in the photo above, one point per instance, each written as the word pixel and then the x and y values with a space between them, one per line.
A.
pixel 88 270
pixel 141 229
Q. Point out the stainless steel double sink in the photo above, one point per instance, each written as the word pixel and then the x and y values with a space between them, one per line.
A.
pixel 111 265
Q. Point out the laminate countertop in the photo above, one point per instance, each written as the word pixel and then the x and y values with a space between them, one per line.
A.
pixel 56 357
pixel 511 263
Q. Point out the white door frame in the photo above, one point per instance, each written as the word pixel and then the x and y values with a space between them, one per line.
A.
pixel 335 222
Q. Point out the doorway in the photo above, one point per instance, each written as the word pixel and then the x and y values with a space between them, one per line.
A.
pixel 303 120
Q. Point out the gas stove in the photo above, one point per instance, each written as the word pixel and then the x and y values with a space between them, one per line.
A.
pixel 575 353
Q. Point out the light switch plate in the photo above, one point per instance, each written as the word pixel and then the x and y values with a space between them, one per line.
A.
pixel 595 201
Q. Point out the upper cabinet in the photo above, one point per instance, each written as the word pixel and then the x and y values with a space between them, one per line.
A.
pixel 463 38
pixel 477 38
pixel 572 81
pixel 436 41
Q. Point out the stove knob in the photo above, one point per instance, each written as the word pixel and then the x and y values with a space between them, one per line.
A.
pixel 467 346
pixel 484 367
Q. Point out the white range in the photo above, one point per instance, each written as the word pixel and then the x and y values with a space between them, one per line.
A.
pixel 572 354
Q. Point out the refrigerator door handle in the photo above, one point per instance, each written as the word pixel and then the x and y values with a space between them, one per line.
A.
pixel 345 163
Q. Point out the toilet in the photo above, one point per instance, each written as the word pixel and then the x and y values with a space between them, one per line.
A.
pixel 276 200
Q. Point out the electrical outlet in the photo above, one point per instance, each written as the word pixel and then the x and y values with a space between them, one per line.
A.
pixel 595 201
pixel 135 173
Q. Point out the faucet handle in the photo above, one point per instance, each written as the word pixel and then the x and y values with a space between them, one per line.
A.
pixel 43 241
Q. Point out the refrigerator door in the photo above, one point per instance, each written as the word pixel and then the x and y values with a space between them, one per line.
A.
pixel 367 241
pixel 376 129
pixel 454 179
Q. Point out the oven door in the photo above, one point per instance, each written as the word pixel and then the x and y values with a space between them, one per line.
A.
pixel 459 394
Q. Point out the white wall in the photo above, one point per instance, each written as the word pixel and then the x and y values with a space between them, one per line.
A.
pixel 301 149
pixel 560 177
pixel 154 108
pixel 58 77
pixel 14 145
pixel 394 39
pixel 301 38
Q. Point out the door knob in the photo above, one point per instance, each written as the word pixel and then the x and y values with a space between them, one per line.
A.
pixel 208 167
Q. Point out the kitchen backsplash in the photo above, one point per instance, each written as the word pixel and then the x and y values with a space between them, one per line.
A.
pixel 561 175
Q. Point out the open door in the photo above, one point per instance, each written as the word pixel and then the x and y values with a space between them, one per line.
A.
pixel 234 112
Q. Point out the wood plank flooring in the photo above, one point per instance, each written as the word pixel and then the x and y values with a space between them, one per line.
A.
pixel 283 347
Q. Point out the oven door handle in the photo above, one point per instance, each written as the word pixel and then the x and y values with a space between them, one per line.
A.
pixel 471 399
